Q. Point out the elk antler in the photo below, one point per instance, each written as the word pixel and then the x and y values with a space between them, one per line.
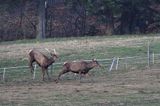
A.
pixel 47 50
pixel 55 51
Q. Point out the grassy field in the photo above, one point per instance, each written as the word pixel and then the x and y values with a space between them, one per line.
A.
pixel 135 86
pixel 15 52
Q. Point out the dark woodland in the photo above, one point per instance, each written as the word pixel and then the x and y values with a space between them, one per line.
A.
pixel 29 19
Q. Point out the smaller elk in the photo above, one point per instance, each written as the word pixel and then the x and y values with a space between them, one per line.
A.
pixel 43 61
pixel 79 67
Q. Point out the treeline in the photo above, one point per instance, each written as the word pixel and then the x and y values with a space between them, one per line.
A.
pixel 19 18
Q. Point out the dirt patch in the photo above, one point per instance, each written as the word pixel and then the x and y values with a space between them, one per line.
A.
pixel 133 82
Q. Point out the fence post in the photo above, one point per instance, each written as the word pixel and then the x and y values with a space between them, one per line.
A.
pixel 117 63
pixel 110 69
pixel 51 69
pixel 34 74
pixel 126 65
pixel 4 72
pixel 148 54
pixel 153 58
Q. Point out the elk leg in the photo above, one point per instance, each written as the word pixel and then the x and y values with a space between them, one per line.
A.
pixel 31 65
pixel 43 73
pixel 31 68
pixel 47 74
pixel 61 73
pixel 80 75
pixel 87 75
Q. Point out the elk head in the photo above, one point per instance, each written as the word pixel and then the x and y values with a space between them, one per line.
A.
pixel 52 53
pixel 95 63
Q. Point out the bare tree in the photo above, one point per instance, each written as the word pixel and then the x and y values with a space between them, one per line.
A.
pixel 42 19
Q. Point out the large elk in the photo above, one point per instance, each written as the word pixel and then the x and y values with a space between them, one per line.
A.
pixel 79 67
pixel 43 61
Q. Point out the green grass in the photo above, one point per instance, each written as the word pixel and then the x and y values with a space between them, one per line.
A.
pixel 54 40
pixel 100 52
pixel 115 94
pixel 98 38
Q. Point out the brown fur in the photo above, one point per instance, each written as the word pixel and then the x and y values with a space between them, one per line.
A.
pixel 80 67
pixel 43 61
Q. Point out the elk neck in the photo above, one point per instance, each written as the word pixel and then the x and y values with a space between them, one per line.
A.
pixel 90 65
pixel 51 60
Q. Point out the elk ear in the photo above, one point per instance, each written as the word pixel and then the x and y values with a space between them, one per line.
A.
pixel 93 59
pixel 54 50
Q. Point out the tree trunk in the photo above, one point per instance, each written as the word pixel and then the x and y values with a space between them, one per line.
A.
pixel 42 20
pixel 109 22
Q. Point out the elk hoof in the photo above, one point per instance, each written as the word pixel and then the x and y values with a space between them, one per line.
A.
pixel 49 79
pixel 56 81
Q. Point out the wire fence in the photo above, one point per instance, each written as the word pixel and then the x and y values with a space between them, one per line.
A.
pixel 115 63
pixel 142 61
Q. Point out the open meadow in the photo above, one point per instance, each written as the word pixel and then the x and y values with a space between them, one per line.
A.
pixel 134 84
